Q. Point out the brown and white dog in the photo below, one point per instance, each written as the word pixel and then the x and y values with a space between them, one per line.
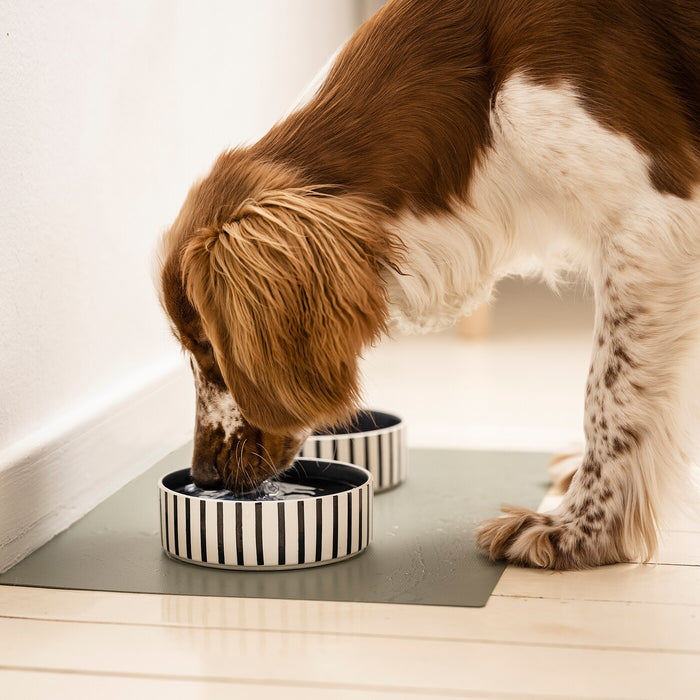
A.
pixel 454 142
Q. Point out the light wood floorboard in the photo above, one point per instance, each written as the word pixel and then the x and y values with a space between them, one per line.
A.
pixel 39 685
pixel 521 620
pixel 421 664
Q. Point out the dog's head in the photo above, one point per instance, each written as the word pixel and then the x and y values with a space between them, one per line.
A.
pixel 273 289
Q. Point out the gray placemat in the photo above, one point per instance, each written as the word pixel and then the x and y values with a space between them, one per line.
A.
pixel 423 550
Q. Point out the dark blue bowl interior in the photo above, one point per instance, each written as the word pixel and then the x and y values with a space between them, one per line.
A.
pixel 304 479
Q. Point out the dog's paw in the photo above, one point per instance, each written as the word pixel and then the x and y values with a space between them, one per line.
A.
pixel 542 540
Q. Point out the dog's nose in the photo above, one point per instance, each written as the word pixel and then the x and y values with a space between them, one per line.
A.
pixel 206 477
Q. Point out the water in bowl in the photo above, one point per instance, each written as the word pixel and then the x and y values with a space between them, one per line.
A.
pixel 272 490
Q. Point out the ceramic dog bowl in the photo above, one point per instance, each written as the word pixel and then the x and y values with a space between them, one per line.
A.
pixel 373 440
pixel 317 512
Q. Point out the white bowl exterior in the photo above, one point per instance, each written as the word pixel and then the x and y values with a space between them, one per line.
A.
pixel 383 452
pixel 266 534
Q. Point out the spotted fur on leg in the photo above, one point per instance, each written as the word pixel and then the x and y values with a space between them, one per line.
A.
pixel 636 418
pixel 550 541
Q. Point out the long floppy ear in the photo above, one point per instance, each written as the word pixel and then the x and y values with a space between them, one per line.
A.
pixel 290 292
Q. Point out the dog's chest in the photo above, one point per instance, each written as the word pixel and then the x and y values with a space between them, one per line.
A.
pixel 551 183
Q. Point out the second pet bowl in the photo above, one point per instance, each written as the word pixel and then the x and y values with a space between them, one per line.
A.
pixel 373 440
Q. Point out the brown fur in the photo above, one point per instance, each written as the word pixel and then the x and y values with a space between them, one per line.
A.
pixel 293 273
pixel 242 462
pixel 634 63
pixel 273 271
pixel 290 271
pixel 403 116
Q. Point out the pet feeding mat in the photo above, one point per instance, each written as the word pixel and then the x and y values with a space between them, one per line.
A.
pixel 423 551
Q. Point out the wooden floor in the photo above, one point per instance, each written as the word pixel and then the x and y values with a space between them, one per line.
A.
pixel 626 631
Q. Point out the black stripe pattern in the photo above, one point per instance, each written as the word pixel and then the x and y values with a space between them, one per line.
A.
pixel 266 534
pixel 382 452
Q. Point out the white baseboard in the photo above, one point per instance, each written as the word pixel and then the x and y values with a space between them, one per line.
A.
pixel 51 480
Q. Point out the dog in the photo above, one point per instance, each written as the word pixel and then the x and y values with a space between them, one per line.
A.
pixel 451 143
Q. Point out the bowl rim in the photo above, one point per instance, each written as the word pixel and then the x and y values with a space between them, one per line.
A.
pixel 366 475
pixel 379 431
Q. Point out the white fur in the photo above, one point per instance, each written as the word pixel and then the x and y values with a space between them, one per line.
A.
pixel 216 408
pixel 557 189
pixel 551 186
pixel 510 226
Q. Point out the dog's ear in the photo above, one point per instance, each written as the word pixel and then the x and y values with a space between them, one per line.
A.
pixel 290 292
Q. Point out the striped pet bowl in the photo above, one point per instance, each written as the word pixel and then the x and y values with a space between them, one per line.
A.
pixel 317 512
pixel 373 440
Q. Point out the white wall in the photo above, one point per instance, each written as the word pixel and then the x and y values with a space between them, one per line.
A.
pixel 109 111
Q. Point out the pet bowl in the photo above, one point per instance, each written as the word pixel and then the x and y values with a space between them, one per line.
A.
pixel 316 512
pixel 373 440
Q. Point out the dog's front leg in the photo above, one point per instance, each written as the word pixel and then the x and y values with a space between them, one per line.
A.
pixel 635 417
